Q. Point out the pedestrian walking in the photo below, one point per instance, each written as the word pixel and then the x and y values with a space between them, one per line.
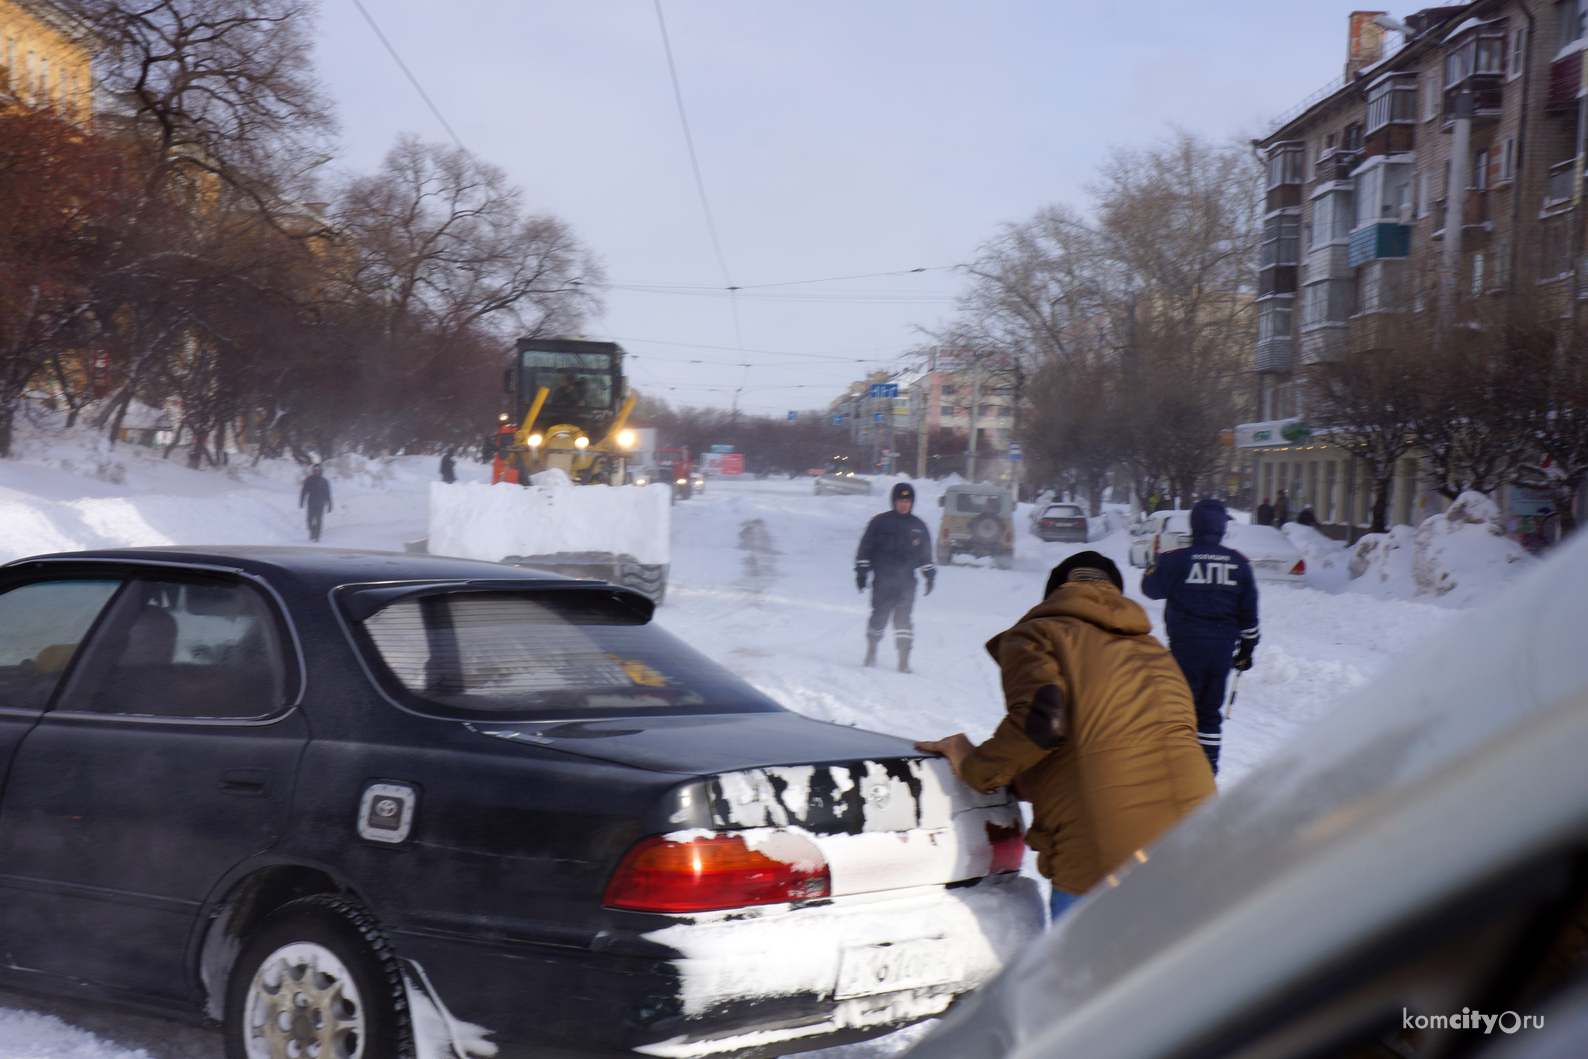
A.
pixel 316 497
pixel 1306 518
pixel 449 468
pixel 1265 513
pixel 1282 508
pixel 895 544
pixel 1210 615
pixel 1099 734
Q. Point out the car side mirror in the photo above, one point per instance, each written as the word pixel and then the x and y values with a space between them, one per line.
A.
pixel 940 500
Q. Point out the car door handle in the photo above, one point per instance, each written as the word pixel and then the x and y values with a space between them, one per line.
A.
pixel 246 782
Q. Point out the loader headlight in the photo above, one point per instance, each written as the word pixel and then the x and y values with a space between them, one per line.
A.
pixel 534 441
pixel 626 439
pixel 682 481
pixel 581 443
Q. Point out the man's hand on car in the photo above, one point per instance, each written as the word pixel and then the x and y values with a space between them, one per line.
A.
pixel 956 748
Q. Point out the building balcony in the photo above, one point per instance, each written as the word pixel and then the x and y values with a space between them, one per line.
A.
pixel 1275 356
pixel 1276 279
pixel 1395 138
pixel 1488 98
pixel 1372 242
pixel 1558 191
pixel 1475 211
pixel 1283 197
pixel 1336 165
pixel 1329 261
pixel 1323 343
pixel 1565 78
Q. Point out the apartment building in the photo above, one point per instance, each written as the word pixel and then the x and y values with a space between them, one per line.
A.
pixel 930 416
pixel 46 58
pixel 1445 164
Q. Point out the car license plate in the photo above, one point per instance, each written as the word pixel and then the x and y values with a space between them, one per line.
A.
pixel 869 969
pixel 1266 564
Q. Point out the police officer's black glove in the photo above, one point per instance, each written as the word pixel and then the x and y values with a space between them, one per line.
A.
pixel 1243 653
pixel 929 575
pixel 860 578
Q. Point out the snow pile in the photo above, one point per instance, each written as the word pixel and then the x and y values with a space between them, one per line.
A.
pixel 27 1035
pixel 1458 557
pixel 1326 557
pixel 492 522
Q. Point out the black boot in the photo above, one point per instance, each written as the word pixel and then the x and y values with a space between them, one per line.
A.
pixel 871 648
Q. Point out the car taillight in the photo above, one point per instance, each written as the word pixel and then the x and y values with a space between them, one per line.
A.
pixel 1008 848
pixel 661 875
pixel 1300 567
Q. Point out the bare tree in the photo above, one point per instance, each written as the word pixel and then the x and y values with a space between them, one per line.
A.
pixel 1373 404
pixel 213 90
pixel 442 239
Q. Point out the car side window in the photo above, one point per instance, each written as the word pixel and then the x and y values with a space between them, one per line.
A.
pixel 41 626
pixel 182 650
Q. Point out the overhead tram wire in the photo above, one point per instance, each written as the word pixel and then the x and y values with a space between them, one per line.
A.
pixel 409 74
pixel 700 186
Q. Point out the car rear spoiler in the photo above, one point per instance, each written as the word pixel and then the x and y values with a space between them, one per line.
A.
pixel 359 602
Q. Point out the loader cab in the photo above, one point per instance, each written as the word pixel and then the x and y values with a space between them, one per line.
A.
pixel 584 381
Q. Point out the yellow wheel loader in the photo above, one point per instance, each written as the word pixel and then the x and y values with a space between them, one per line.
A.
pixel 559 497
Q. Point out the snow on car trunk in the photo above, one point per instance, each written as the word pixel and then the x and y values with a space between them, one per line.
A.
pixel 895 940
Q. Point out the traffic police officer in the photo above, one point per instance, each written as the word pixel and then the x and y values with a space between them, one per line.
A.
pixel 894 545
pixel 1210 614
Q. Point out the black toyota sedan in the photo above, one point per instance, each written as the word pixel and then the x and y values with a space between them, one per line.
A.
pixel 358 805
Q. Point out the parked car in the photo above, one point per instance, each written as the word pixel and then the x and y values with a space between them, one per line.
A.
pixel 333 800
pixel 836 482
pixel 1403 878
pixel 1273 557
pixel 977 521
pixel 1059 522
pixel 1163 531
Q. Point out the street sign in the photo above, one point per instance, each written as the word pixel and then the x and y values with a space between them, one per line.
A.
pixel 838 421
pixel 793 416
pixel 884 389
pixel 722 448
pixel 876 417
pixel 1014 451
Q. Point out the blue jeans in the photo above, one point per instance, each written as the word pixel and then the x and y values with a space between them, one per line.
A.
pixel 1059 903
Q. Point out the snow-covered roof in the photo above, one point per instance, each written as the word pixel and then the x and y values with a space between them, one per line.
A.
pixel 1471 23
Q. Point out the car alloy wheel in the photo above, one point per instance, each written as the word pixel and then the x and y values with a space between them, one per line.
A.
pixel 304 1004
pixel 317 980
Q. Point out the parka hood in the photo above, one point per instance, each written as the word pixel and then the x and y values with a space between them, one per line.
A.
pixel 1208 519
pixel 1094 602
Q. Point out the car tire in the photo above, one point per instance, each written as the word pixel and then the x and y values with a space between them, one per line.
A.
pixel 1003 562
pixel 347 994
pixel 945 556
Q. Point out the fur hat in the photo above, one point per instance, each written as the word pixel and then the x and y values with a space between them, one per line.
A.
pixel 1079 560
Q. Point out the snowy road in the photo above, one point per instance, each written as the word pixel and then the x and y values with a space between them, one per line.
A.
pixel 762 581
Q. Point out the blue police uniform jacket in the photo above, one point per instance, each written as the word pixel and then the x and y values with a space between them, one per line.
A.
pixel 1209 589
pixel 895 544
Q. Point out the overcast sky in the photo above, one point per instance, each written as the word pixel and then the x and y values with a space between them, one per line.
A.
pixel 836 138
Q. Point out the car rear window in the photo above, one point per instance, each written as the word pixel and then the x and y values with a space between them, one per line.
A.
pixel 975 503
pixel 1062 511
pixel 554 654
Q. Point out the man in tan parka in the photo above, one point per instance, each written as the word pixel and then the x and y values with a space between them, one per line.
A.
pixel 1100 734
